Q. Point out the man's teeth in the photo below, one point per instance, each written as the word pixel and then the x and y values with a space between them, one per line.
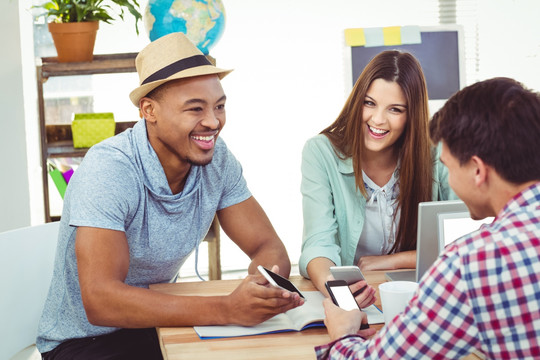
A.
pixel 377 131
pixel 203 138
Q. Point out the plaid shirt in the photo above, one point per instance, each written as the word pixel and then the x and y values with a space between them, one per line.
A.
pixel 482 293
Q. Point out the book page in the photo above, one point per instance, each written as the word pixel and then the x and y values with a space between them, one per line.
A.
pixel 292 320
pixel 374 315
pixel 311 311
pixel 280 322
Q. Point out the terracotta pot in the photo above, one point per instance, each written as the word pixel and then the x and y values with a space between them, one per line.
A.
pixel 74 42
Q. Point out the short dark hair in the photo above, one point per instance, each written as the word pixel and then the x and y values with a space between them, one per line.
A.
pixel 157 93
pixel 497 120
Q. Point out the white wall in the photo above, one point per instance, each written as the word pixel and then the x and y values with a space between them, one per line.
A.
pixel 290 73
pixel 289 81
pixel 14 194
pixel 510 40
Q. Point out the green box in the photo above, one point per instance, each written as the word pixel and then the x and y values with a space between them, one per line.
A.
pixel 90 128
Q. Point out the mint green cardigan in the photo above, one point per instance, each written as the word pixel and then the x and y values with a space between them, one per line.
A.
pixel 334 211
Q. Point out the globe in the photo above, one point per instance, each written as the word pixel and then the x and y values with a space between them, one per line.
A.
pixel 202 21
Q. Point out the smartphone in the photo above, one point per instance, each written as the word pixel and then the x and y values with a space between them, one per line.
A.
pixel 349 274
pixel 278 280
pixel 342 296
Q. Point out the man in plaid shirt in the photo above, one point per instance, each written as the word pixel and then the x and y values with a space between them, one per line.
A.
pixel 483 293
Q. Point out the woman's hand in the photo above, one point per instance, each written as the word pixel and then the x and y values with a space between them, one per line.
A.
pixel 363 293
pixel 401 260
pixel 377 262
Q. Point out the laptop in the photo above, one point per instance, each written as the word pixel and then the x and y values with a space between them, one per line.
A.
pixel 427 241
pixel 453 225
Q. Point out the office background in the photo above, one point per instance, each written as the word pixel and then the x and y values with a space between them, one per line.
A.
pixel 290 81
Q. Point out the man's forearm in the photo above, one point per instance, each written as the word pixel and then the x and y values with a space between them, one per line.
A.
pixel 269 256
pixel 132 307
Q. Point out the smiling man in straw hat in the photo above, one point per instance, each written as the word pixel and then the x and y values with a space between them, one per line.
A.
pixel 137 207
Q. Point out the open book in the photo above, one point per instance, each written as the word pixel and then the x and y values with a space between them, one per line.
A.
pixel 310 314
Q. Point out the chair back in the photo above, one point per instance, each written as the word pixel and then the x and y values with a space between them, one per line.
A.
pixel 26 267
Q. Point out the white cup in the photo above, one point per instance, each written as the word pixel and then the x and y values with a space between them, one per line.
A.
pixel 395 296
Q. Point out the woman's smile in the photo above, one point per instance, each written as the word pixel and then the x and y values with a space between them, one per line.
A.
pixel 376 132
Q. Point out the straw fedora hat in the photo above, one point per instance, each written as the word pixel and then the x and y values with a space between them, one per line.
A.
pixel 170 57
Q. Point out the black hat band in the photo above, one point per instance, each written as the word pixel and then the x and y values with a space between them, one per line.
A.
pixel 176 67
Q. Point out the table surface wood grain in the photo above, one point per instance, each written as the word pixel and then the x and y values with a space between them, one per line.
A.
pixel 184 343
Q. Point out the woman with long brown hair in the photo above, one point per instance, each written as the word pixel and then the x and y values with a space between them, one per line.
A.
pixel 364 175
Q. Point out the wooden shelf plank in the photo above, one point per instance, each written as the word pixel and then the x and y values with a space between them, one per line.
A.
pixel 60 139
pixel 102 64
pixel 66 149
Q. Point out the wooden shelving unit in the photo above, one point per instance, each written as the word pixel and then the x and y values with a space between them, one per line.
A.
pixel 57 140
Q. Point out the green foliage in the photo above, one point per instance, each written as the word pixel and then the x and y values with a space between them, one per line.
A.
pixel 65 11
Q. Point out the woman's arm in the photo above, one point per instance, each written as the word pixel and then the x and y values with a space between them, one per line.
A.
pixel 401 260
pixel 320 225
pixel 319 270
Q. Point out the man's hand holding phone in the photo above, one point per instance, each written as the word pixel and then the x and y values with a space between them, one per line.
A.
pixel 340 322
pixel 341 295
pixel 254 301
pixel 279 281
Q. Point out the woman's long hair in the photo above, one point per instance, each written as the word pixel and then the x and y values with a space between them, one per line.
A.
pixel 414 146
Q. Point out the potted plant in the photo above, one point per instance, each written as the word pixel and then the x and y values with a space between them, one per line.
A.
pixel 74 24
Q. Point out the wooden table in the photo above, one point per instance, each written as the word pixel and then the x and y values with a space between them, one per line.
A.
pixel 184 343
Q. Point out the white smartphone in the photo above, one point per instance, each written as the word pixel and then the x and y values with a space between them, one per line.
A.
pixel 350 274
pixel 278 280
pixel 342 296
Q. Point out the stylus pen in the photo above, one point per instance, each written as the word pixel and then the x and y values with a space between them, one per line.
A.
pixel 364 326
pixel 358 292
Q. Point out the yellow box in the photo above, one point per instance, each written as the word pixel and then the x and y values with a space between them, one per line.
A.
pixel 91 128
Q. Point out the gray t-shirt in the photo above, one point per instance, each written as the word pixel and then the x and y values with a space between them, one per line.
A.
pixel 121 185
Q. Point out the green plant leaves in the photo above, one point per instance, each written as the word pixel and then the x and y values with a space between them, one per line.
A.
pixel 65 11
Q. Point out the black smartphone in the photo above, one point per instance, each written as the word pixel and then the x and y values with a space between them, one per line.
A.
pixel 278 280
pixel 342 296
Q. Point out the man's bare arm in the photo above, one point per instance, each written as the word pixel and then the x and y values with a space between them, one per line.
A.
pixel 103 263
